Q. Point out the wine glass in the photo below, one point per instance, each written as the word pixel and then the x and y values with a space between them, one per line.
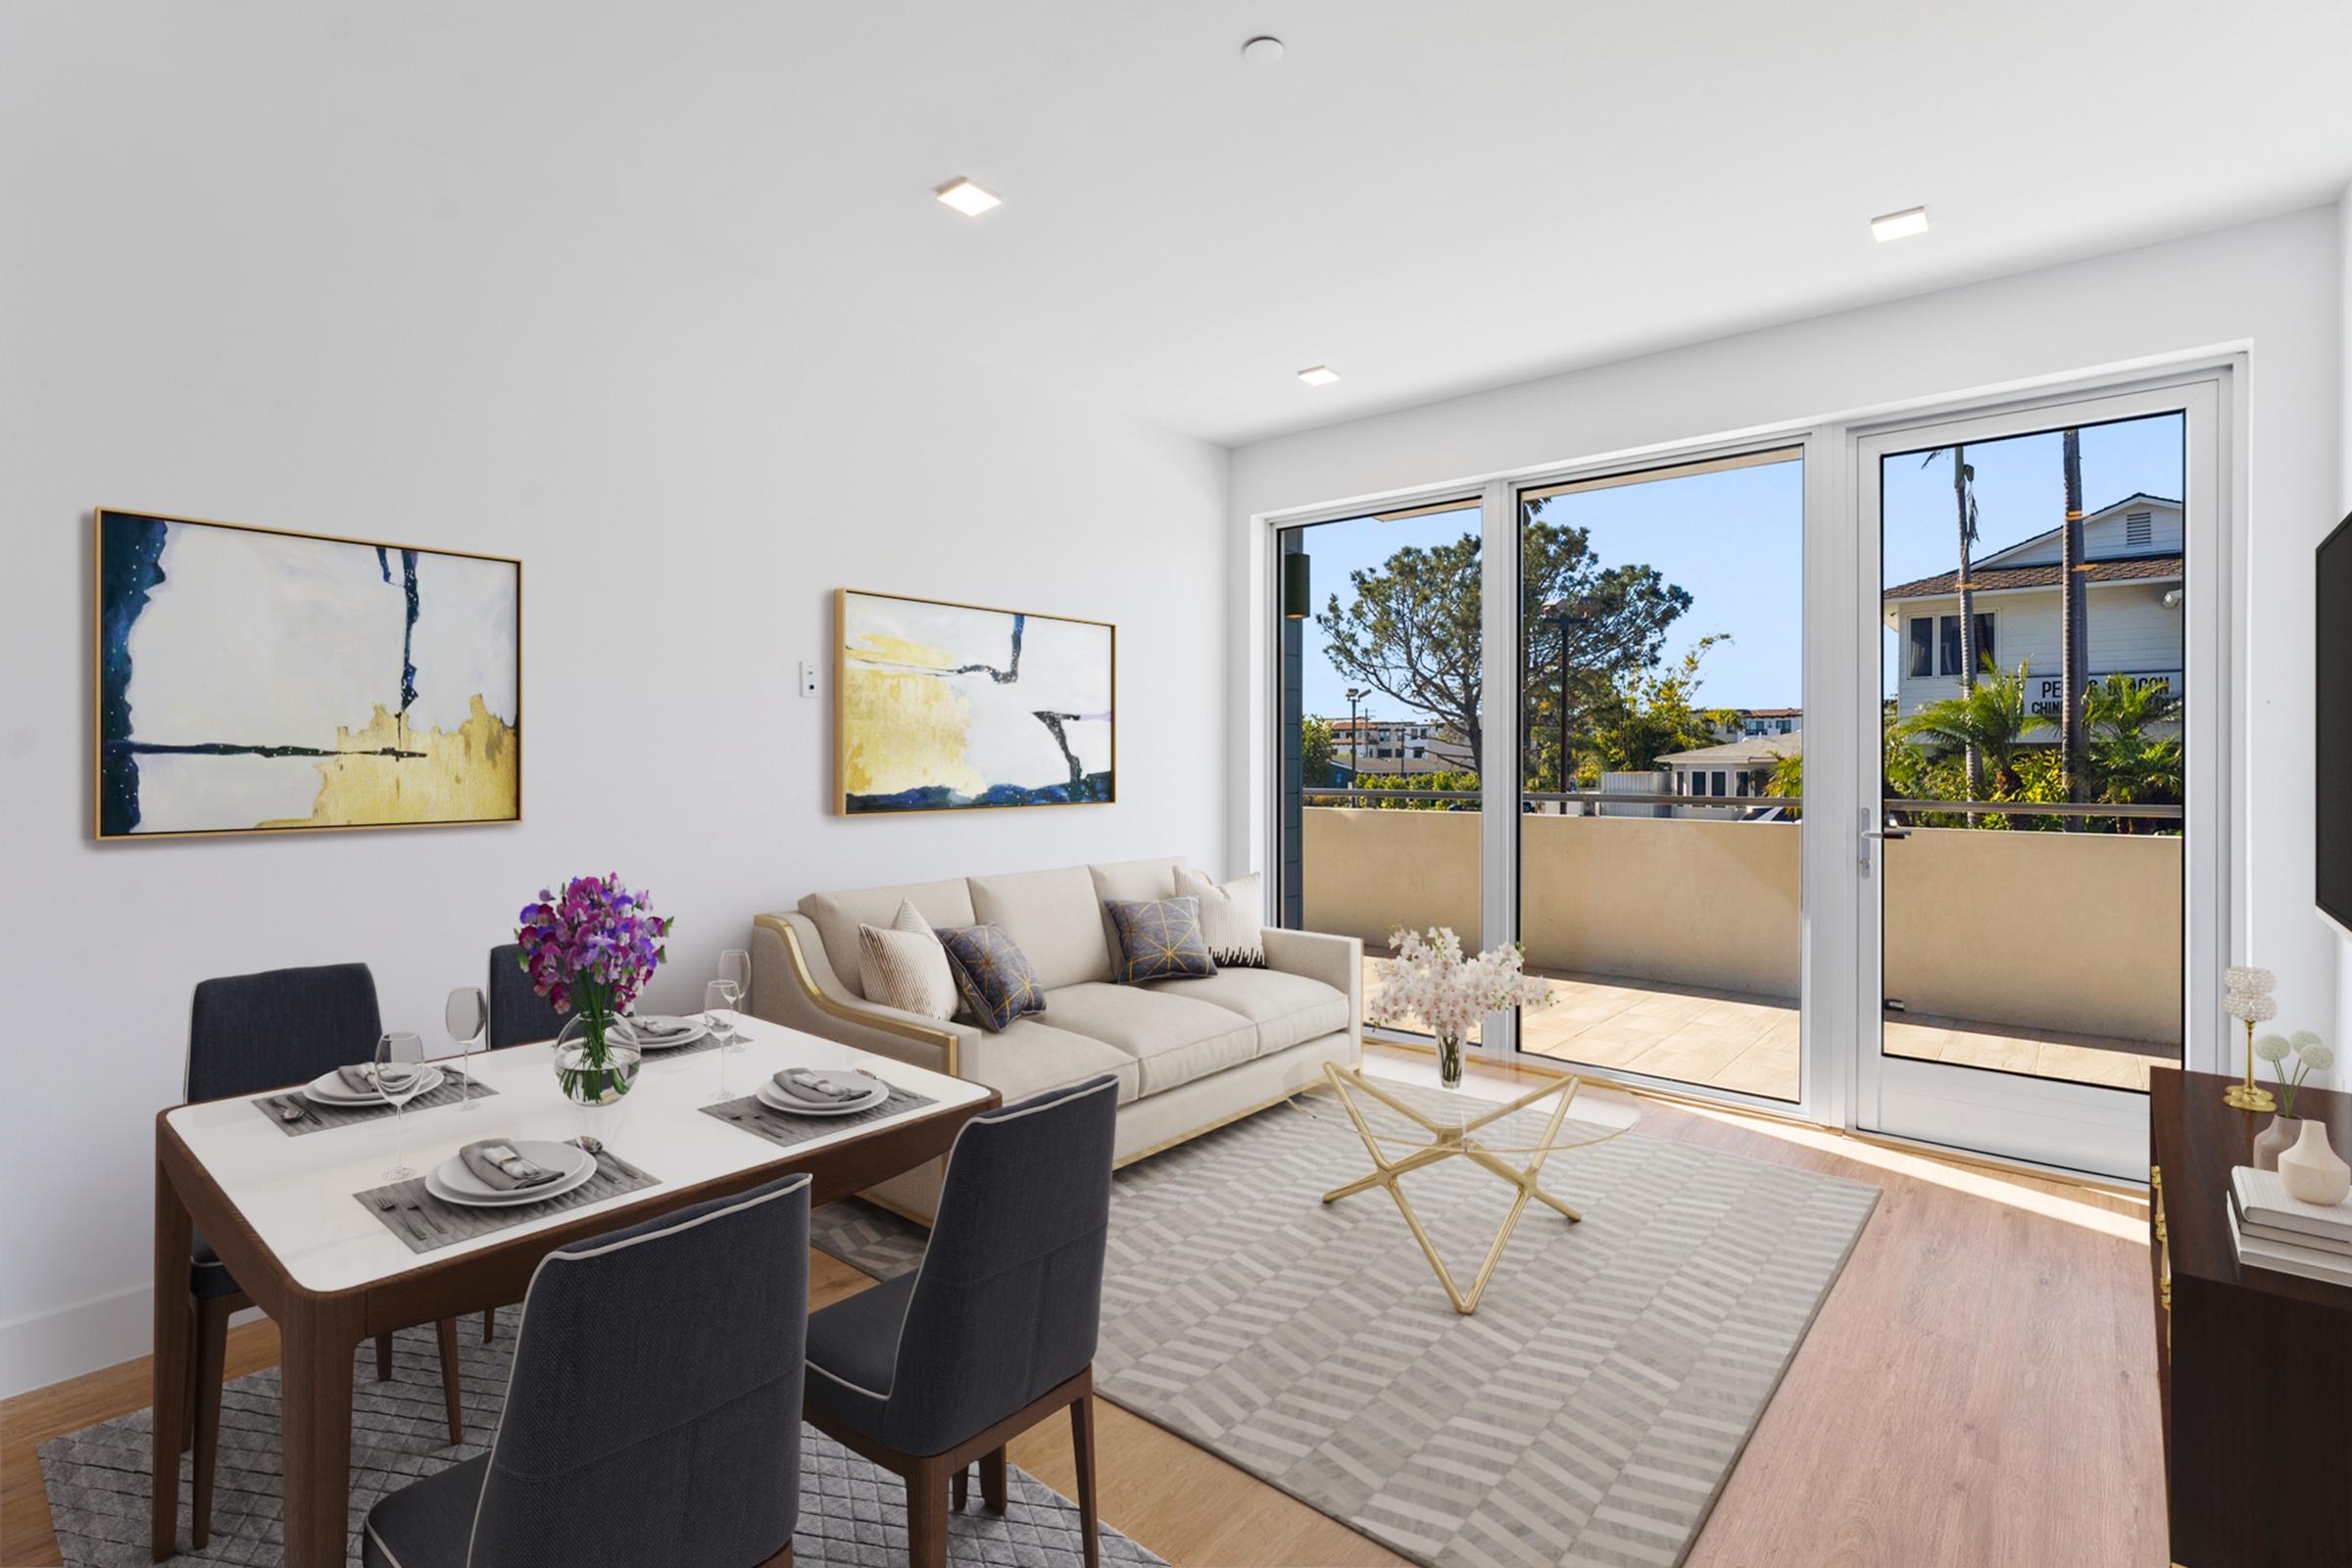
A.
pixel 717 996
pixel 735 968
pixel 400 1074
pixel 466 1017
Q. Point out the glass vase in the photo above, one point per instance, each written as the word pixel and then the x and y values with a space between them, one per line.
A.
pixel 594 1071
pixel 1449 1060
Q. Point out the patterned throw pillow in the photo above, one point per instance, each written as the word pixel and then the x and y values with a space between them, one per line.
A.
pixel 905 967
pixel 995 975
pixel 1159 939
pixel 1232 918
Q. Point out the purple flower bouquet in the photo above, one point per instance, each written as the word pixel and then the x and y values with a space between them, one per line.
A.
pixel 592 946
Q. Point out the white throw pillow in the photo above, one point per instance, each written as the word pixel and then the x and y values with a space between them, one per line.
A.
pixel 905 967
pixel 1232 918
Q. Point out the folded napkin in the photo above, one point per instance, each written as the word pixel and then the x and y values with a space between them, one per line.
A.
pixel 822 1088
pixel 360 1078
pixel 495 1161
pixel 656 1028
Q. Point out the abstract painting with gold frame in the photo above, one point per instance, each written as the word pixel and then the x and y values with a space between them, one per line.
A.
pixel 259 680
pixel 942 706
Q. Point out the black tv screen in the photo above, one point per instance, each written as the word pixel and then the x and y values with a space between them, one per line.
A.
pixel 2332 795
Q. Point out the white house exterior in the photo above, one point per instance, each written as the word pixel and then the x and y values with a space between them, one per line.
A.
pixel 2132 596
pixel 1721 781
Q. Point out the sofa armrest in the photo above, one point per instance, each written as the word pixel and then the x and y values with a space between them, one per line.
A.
pixel 1337 962
pixel 793 983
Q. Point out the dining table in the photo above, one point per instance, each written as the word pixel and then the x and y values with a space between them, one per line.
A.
pixel 281 1201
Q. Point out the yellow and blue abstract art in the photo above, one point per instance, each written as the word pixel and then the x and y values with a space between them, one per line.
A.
pixel 944 707
pixel 255 681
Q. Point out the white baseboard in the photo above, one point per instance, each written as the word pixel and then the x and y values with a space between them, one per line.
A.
pixel 45 1348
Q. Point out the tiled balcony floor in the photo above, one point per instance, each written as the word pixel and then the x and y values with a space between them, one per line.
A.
pixel 1735 1039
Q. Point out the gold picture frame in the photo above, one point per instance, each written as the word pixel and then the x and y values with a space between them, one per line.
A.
pixel 110 829
pixel 850 767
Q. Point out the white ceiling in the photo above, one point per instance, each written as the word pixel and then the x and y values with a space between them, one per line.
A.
pixel 1430 198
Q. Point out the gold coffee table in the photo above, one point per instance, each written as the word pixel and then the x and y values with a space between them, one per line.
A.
pixel 1455 1138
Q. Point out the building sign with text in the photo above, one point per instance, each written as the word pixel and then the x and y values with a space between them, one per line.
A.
pixel 2045 695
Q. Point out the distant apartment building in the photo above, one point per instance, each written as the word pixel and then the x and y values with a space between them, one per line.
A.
pixel 1757 722
pixel 1396 746
pixel 2132 551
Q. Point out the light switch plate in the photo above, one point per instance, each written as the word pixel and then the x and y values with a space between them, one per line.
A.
pixel 808 678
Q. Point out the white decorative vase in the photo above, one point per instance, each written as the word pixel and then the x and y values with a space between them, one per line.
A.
pixel 2313 1172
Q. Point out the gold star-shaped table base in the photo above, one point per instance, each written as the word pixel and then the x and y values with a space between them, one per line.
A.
pixel 1452 1141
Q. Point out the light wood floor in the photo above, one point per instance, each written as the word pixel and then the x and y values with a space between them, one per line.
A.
pixel 1979 1388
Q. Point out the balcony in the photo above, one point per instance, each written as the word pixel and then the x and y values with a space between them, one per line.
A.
pixel 1671 945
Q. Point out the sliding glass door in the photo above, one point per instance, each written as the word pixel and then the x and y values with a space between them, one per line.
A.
pixel 2042 750
pixel 1661 641
pixel 1869 771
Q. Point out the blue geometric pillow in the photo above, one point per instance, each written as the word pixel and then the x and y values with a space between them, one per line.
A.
pixel 1159 939
pixel 993 974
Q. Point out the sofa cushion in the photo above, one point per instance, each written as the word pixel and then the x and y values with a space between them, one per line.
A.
pixel 1158 940
pixel 1053 916
pixel 1172 1038
pixel 994 975
pixel 838 915
pixel 1138 881
pixel 1286 1008
pixel 1233 917
pixel 1033 1056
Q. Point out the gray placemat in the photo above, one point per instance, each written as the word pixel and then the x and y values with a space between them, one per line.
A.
pixel 322 1117
pixel 784 1129
pixel 447 1224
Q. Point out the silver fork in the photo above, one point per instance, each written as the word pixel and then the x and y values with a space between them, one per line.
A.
pixel 390 1207
pixel 413 1207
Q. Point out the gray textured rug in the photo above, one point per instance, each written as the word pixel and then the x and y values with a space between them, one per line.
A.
pixel 1586 1416
pixel 851 1512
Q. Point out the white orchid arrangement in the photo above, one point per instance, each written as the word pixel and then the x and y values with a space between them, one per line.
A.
pixel 2311 1055
pixel 1429 979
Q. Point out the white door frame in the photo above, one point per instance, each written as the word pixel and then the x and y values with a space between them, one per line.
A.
pixel 2075 1126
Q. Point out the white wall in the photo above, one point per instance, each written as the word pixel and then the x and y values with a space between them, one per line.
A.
pixel 206 310
pixel 2278 287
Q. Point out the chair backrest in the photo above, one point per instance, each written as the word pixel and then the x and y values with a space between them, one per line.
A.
pixel 518 1015
pixel 250 1032
pixel 654 1410
pixel 1008 1300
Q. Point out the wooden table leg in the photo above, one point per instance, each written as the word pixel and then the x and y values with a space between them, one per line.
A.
pixel 174 1358
pixel 321 1339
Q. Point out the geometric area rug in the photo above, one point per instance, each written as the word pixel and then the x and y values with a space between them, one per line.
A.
pixel 1588 1415
pixel 851 1512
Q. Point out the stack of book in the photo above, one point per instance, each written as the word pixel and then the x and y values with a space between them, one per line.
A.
pixel 2277 1232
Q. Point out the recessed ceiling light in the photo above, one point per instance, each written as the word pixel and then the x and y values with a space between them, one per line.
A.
pixel 969 197
pixel 1900 225
pixel 1318 375
pixel 1262 50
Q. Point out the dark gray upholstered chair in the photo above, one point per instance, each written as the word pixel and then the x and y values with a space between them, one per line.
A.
pixel 653 1412
pixel 996 1331
pixel 248 1034
pixel 518 1015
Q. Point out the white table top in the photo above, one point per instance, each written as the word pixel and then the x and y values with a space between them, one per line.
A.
pixel 296 1192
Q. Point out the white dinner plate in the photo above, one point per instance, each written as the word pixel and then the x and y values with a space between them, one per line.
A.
pixel 330 1089
pixel 696 1029
pixel 771 1095
pixel 452 1183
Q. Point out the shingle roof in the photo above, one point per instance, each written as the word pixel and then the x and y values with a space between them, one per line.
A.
pixel 2135 569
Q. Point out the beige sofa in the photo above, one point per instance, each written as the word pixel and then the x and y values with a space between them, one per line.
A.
pixel 1190 1054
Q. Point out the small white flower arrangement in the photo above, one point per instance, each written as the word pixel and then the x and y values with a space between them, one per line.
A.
pixel 2310 1054
pixel 1428 978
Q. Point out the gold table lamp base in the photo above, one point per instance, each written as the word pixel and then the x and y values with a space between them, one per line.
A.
pixel 2249 1096
pixel 1450 1142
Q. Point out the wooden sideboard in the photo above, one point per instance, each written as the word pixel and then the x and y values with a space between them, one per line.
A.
pixel 2254 1368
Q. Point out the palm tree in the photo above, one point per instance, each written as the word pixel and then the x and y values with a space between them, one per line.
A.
pixel 1988 718
pixel 1964 510
pixel 2133 767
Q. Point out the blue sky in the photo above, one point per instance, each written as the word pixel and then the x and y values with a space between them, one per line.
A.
pixel 1734 541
